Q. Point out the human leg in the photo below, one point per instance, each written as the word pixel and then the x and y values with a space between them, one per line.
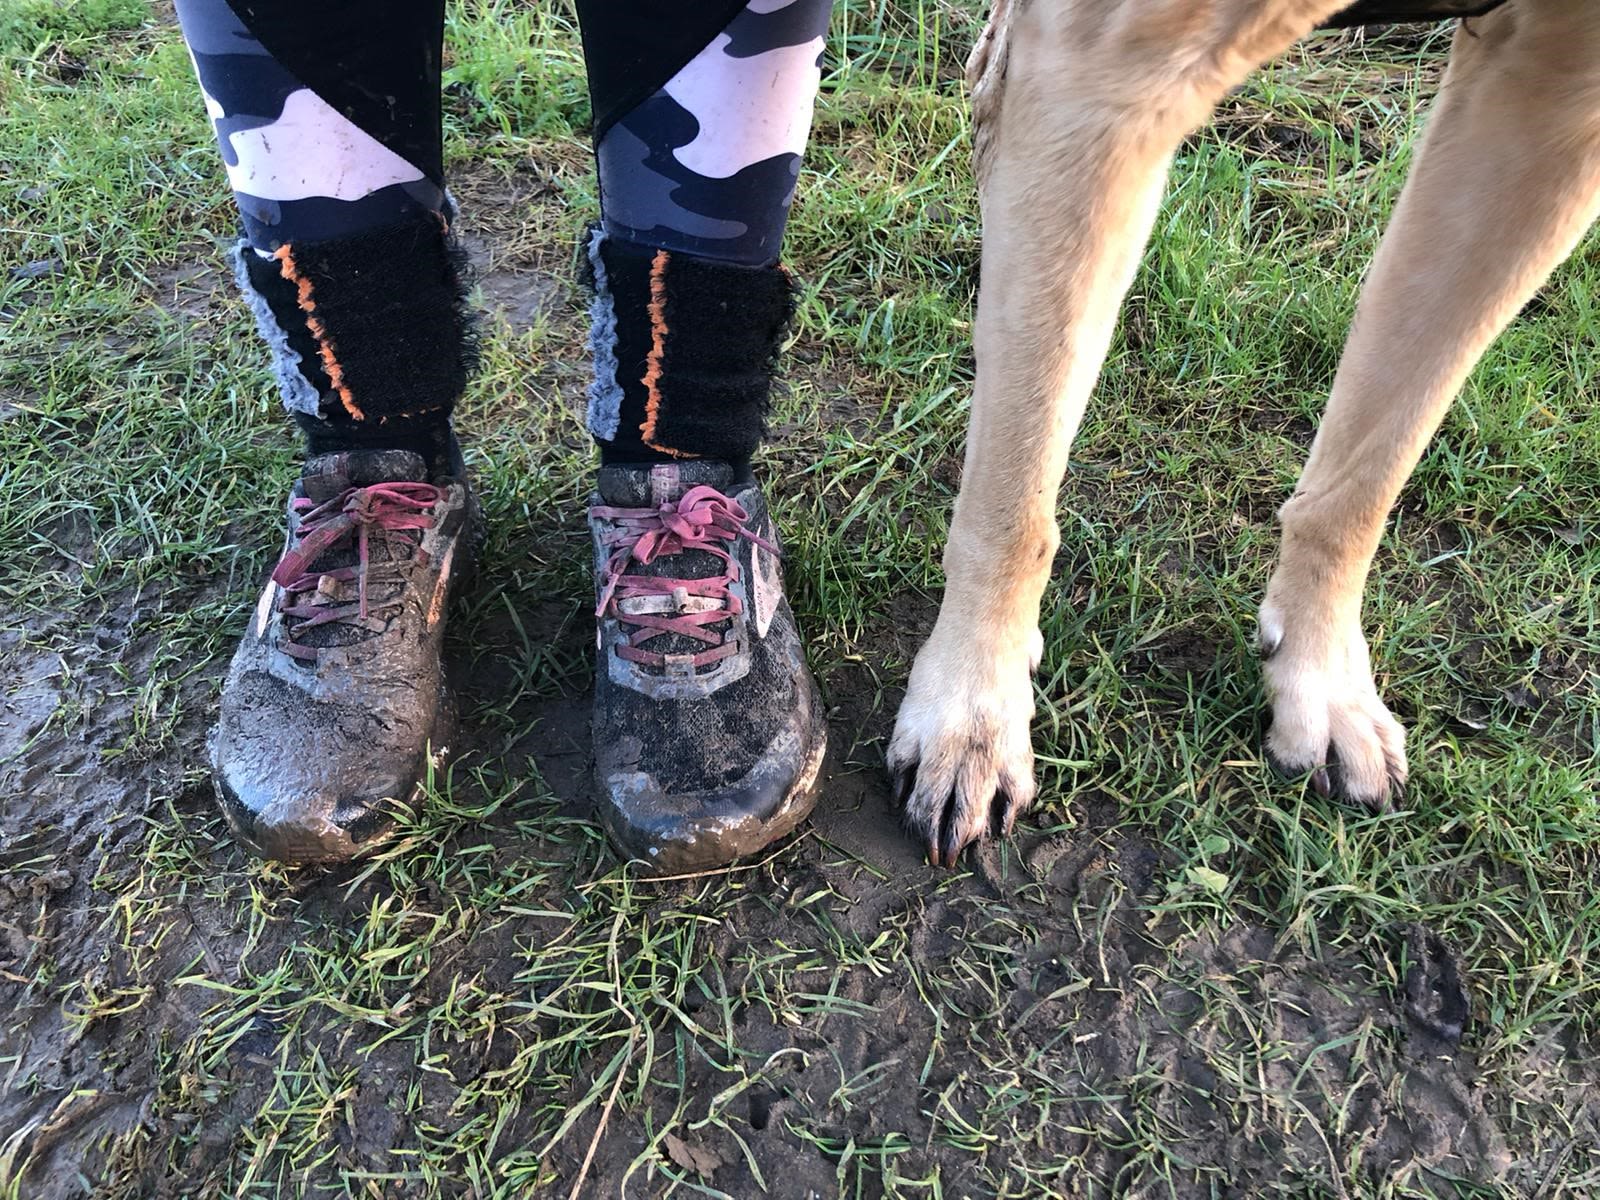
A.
pixel 328 119
pixel 708 728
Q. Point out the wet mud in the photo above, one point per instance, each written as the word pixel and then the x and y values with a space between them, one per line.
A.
pixel 1037 1023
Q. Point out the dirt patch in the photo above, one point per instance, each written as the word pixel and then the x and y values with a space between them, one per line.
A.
pixel 1086 1049
pixel 196 289
pixel 1076 1013
pixel 1040 1024
pixel 1185 652
pixel 520 298
pixel 80 800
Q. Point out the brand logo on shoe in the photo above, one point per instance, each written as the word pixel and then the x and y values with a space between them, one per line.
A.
pixel 264 610
pixel 766 587
pixel 665 486
pixel 441 589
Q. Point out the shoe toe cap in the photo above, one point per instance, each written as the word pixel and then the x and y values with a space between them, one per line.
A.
pixel 301 821
pixel 699 830
pixel 308 803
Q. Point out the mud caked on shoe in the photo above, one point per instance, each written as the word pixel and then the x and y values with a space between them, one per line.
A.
pixel 709 732
pixel 336 695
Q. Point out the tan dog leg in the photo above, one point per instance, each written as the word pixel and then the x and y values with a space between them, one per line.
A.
pixel 1507 180
pixel 1079 105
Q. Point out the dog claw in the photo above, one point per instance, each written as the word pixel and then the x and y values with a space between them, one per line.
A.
pixel 1327 782
pixel 1001 814
pixel 901 781
pixel 947 834
pixel 1397 791
pixel 960 764
pixel 1327 726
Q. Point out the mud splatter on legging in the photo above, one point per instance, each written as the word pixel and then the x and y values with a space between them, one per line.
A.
pixel 328 115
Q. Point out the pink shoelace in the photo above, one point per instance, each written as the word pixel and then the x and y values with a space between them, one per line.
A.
pixel 397 511
pixel 702 519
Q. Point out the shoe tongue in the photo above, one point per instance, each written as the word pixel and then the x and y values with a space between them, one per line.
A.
pixel 653 486
pixel 326 475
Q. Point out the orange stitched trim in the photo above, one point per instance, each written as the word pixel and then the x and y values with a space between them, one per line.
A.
pixel 658 347
pixel 330 364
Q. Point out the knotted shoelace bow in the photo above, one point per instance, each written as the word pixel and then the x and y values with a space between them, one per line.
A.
pixel 702 519
pixel 391 510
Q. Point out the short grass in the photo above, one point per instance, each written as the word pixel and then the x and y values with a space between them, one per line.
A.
pixel 494 997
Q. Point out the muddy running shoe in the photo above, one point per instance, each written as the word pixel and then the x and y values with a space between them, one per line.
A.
pixel 336 694
pixel 708 728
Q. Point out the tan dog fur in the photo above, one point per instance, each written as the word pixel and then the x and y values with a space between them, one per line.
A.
pixel 1078 107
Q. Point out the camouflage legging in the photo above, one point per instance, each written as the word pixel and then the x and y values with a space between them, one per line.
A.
pixel 328 115
pixel 706 164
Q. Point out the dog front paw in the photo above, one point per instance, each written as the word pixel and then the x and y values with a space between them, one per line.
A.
pixel 1326 714
pixel 961 760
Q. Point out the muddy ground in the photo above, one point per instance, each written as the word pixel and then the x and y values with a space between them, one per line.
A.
pixel 1062 1016
pixel 1032 1024
pixel 1035 993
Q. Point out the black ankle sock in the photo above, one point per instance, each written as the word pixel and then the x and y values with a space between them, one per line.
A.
pixel 684 350
pixel 630 452
pixel 370 334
